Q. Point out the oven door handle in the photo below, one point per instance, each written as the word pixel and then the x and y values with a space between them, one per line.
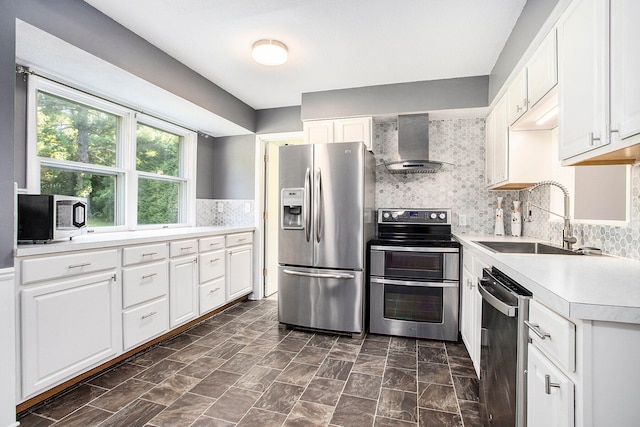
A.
pixel 345 276
pixel 445 284
pixel 413 249
pixel 501 306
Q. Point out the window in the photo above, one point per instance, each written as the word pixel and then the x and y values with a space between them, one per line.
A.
pixel 135 170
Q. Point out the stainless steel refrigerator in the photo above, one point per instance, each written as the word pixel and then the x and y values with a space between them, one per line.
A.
pixel 326 218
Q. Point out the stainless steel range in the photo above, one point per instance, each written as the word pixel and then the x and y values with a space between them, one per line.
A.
pixel 414 275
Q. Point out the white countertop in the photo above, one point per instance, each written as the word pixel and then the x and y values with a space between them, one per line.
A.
pixel 107 240
pixel 580 287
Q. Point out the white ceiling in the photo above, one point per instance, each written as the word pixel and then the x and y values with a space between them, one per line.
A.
pixel 333 44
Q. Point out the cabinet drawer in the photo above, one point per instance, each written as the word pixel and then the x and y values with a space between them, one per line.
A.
pixel 212 295
pixel 211 266
pixel 559 342
pixel 145 322
pixel 239 239
pixel 144 282
pixel 183 247
pixel 60 266
pixel 211 243
pixel 146 253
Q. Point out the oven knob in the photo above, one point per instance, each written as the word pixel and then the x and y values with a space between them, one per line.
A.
pixel 394 215
pixel 433 215
pixel 385 215
pixel 442 215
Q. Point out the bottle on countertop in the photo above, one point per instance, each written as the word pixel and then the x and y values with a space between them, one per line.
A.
pixel 499 229
pixel 516 219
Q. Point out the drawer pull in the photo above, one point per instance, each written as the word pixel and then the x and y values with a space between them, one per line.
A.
pixel 536 330
pixel 185 248
pixel 215 260
pixel 548 384
pixel 242 239
pixel 214 244
pixel 148 276
pixel 146 316
pixel 150 254
pixel 86 264
pixel 212 291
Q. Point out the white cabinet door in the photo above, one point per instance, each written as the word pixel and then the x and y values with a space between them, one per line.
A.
pixel 625 63
pixel 144 322
pixel 550 394
pixel 67 327
pixel 517 97
pixel 500 147
pixel 467 314
pixel 353 130
pixel 212 295
pixel 490 125
pixel 239 272
pixel 318 132
pixel 583 77
pixel 183 283
pixel 542 70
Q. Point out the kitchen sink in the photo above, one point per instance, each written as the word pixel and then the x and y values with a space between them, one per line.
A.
pixel 525 248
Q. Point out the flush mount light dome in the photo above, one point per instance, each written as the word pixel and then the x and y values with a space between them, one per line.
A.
pixel 270 52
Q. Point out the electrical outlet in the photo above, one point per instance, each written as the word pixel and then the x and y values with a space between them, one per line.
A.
pixel 220 208
pixel 462 219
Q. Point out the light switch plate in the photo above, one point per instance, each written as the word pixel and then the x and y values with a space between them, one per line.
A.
pixel 220 208
pixel 462 219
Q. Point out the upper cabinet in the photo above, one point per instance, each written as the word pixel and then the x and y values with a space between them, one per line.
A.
pixel 340 130
pixel 517 101
pixel 599 86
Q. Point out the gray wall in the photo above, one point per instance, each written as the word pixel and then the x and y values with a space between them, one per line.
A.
pixel 205 174
pixel 466 92
pixel 533 16
pixel 233 166
pixel 7 105
pixel 275 120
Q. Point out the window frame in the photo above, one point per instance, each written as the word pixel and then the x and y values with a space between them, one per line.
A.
pixel 125 169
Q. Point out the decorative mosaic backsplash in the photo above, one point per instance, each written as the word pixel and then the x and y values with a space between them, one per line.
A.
pixel 459 186
pixel 234 212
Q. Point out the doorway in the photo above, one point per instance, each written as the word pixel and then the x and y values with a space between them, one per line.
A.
pixel 271 200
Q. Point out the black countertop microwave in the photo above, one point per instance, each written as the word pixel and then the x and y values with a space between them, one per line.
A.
pixel 44 218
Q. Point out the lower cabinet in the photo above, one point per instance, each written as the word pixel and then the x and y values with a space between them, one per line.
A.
pixel 68 326
pixel 550 394
pixel 183 285
pixel 144 322
pixel 239 271
pixel 471 317
pixel 212 295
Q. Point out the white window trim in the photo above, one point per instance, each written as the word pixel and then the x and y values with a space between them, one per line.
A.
pixel 127 182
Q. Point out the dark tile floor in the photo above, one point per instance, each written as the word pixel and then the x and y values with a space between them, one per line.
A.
pixel 239 368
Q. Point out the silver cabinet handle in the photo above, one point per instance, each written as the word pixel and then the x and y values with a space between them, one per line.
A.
pixel 320 275
pixel 593 139
pixel 307 207
pixel 535 328
pixel 184 248
pixel 150 254
pixel 86 264
pixel 518 108
pixel 214 244
pixel 214 260
pixel 212 291
pixel 148 276
pixel 548 384
pixel 146 316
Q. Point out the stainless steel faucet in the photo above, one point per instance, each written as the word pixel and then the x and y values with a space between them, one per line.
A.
pixel 567 233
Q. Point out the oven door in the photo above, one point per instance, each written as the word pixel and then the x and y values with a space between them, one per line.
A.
pixel 419 309
pixel 415 263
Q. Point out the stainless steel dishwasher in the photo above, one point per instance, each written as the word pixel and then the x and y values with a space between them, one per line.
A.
pixel 503 358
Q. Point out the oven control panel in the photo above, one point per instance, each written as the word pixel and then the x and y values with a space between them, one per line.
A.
pixel 415 216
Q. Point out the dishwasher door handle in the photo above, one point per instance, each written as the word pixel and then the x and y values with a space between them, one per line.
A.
pixel 501 306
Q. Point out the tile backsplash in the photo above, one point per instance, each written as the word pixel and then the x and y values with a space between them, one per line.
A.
pixel 224 212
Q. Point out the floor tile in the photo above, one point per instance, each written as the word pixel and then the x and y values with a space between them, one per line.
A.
pixel 297 374
pixel 401 359
pixel 435 373
pixel 86 416
pixel 374 347
pixel 170 389
pixel 429 418
pixel 466 388
pixel 240 363
pixel 432 355
pixel 160 371
pixel 136 414
pixel 322 341
pixel 363 385
pixel 180 341
pixel 201 367
pixel 400 379
pixel 391 422
pixel 33 420
pixel 438 397
pixel 456 349
pixel 401 405
pixel 153 356
pixel 354 411
pixel 233 404
pixel 308 414
pixel 182 412
pixel 213 339
pixel 202 329
pixel 258 378
pixel 342 351
pixel 312 355
pixel 368 364
pixel 122 395
pixel 280 397
pixel 258 347
pixel 277 359
pixel 291 344
pixel 117 375
pixel 324 391
pixel 473 414
pixel 335 369
pixel 462 367
pixel 189 353
pixel 226 350
pixel 215 384
pixel 259 418
pixel 70 401
pixel 205 421
pixel 402 344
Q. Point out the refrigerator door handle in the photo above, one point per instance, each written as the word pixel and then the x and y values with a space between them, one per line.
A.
pixel 318 204
pixel 307 208
pixel 320 275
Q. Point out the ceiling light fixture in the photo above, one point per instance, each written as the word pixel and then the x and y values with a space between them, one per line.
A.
pixel 270 52
pixel 547 116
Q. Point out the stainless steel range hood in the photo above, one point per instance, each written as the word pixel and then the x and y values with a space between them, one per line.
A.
pixel 413 146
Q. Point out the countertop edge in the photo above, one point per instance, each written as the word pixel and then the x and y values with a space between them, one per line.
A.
pixel 125 238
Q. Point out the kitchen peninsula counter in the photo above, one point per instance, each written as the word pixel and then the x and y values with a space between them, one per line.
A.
pixel 603 288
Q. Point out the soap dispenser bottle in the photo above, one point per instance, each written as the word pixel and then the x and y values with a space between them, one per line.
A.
pixel 499 229
pixel 516 219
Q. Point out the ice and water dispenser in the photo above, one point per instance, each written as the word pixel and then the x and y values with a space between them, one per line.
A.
pixel 292 200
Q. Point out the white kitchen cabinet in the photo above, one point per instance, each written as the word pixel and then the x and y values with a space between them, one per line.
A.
pixel 517 101
pixel 68 326
pixel 212 294
pixel 212 269
pixel 239 268
pixel 340 130
pixel 497 144
pixel 144 322
pixel 144 282
pixel 542 70
pixel 583 77
pixel 183 290
pixel 471 306
pixel 550 394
